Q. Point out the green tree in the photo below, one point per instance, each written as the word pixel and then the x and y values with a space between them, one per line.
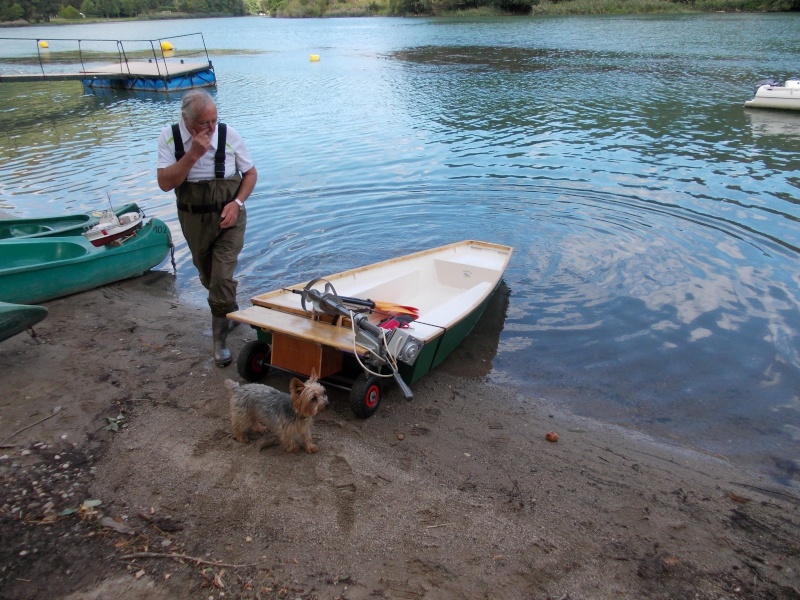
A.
pixel 69 12
pixel 130 8
pixel 519 7
pixel 408 7
pixel 11 12
pixel 108 8
pixel 193 6
pixel 90 8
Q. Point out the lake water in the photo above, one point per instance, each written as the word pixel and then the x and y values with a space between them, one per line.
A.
pixel 656 276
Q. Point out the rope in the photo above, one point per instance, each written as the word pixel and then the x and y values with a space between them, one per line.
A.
pixel 391 359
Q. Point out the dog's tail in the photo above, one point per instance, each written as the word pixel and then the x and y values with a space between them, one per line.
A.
pixel 231 385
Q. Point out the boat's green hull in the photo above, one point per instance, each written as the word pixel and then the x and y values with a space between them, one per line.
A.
pixel 11 229
pixel 435 351
pixel 16 318
pixel 33 270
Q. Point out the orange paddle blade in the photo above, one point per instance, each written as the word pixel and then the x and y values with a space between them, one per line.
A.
pixel 387 308
pixel 394 310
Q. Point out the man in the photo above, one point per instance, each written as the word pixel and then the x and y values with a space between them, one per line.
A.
pixel 210 169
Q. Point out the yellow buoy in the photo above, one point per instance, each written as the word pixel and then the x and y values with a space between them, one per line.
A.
pixel 165 45
pixel 43 44
pixel 314 57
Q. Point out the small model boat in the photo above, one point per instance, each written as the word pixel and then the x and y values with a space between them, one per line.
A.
pixel 70 224
pixel 16 318
pixel 397 319
pixel 771 94
pixel 112 227
pixel 39 269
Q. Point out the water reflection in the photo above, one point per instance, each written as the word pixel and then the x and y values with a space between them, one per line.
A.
pixel 475 356
pixel 777 123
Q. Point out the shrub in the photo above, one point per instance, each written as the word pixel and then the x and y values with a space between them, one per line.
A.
pixel 69 12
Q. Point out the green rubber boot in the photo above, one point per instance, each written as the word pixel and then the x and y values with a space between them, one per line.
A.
pixel 220 326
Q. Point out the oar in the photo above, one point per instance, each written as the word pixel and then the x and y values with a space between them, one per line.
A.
pixel 387 308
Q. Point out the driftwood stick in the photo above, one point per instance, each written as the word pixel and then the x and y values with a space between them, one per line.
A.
pixel 194 559
pixel 56 410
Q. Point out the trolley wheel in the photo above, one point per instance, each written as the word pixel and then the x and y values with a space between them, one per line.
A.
pixel 366 395
pixel 253 361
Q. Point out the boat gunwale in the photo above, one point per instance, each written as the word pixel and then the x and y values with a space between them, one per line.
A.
pixel 263 299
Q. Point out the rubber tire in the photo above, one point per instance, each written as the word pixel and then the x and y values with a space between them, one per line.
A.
pixel 366 395
pixel 253 361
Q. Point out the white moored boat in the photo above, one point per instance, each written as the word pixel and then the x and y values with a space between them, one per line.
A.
pixel 771 94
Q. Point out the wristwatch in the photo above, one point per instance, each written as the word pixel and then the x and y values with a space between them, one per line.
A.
pixel 240 203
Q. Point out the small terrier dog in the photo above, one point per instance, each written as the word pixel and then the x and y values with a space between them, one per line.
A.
pixel 254 407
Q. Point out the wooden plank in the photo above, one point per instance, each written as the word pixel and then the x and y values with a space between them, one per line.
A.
pixel 302 356
pixel 294 325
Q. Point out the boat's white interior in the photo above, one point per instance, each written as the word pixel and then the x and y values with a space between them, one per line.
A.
pixel 444 284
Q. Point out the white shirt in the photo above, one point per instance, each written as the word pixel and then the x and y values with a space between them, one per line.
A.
pixel 237 157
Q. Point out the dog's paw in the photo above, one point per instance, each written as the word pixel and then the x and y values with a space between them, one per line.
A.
pixel 312 448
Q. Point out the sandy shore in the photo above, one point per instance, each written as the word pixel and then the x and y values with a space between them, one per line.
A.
pixel 120 479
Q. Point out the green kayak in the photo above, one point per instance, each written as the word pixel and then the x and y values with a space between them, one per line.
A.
pixel 16 318
pixel 33 270
pixel 76 224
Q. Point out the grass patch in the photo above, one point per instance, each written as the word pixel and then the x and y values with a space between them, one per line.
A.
pixel 609 7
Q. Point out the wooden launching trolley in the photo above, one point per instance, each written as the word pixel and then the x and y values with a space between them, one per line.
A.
pixel 332 340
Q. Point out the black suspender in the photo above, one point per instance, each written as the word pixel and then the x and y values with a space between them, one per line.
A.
pixel 176 137
pixel 219 156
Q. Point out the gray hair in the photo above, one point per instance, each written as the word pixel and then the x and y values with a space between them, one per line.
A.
pixel 195 101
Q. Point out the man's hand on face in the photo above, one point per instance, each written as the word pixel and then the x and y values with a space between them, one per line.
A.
pixel 202 129
pixel 201 141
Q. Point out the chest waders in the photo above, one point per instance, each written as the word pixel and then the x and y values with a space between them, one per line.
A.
pixel 215 251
